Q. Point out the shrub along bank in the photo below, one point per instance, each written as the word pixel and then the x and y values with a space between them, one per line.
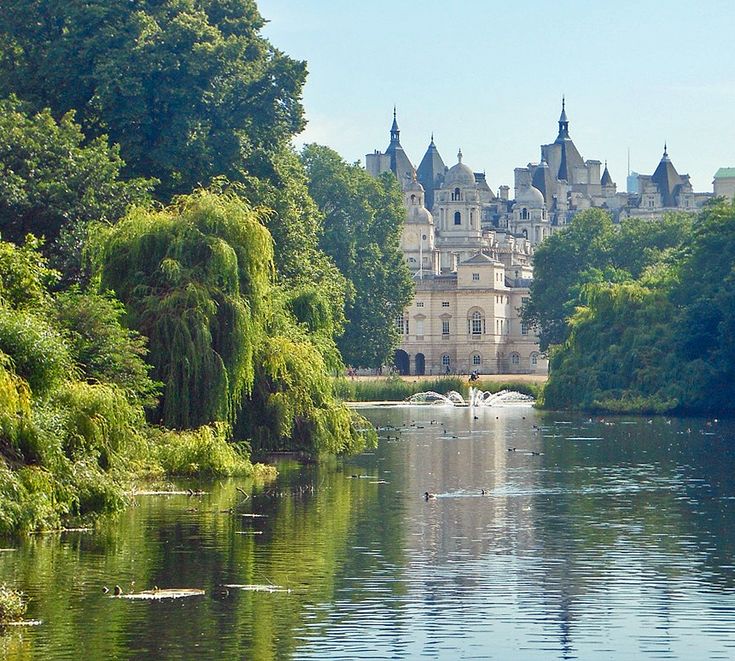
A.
pixel 396 389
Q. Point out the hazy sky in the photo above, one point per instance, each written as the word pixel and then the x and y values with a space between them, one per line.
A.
pixel 488 76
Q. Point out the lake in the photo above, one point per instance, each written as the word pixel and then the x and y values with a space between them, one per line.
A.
pixel 594 539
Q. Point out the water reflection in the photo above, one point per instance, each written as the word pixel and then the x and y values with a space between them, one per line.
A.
pixel 616 544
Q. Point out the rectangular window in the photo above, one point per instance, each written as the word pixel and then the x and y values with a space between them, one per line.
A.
pixel 524 329
pixel 419 304
pixel 445 326
pixel 475 276
pixel 445 304
pixel 419 327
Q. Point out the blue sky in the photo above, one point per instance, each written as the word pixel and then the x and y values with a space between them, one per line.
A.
pixel 488 77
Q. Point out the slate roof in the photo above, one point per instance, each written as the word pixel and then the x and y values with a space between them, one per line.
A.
pixel 570 159
pixel 430 172
pixel 606 179
pixel 667 179
pixel 400 164
pixel 480 258
pixel 542 180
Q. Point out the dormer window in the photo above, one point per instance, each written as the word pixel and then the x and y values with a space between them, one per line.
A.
pixel 524 214
pixel 456 195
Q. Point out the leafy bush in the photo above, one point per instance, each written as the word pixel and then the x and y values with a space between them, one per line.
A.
pixel 103 349
pixel 203 451
pixel 38 351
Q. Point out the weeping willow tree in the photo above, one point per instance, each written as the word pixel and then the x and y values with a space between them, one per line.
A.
pixel 293 407
pixel 195 279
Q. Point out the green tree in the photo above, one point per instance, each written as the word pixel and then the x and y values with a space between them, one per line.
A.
pixel 189 89
pixel 559 263
pixel 363 219
pixel 194 278
pixel 102 347
pixel 51 179
pixel 25 278
pixel 594 250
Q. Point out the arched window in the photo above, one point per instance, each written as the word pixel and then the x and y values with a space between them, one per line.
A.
pixel 457 218
pixel 524 214
pixel 525 234
pixel 515 358
pixel 476 323
pixel 534 359
pixel 476 360
pixel 413 199
pixel 456 194
pixel 446 363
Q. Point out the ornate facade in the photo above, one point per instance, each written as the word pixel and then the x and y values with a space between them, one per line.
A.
pixel 471 249
pixel 471 277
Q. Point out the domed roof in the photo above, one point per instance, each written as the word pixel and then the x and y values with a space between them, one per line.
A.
pixel 459 174
pixel 529 196
pixel 420 215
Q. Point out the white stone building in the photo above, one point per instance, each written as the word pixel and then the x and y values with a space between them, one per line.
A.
pixel 471 278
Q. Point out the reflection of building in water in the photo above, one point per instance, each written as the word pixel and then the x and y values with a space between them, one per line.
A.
pixel 456 463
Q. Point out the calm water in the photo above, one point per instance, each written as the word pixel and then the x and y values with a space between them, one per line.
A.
pixel 615 542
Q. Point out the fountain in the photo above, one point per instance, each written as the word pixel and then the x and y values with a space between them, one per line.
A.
pixel 476 397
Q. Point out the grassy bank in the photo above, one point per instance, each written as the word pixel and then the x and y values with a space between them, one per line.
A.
pixel 397 389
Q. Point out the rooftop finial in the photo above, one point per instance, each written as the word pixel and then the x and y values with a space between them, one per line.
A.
pixel 563 121
pixel 459 155
pixel 394 131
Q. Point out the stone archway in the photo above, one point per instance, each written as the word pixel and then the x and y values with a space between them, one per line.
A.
pixel 402 362
pixel 420 364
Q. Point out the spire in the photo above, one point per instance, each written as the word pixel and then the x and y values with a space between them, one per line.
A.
pixel 665 157
pixel 432 139
pixel 563 121
pixel 394 130
pixel 606 179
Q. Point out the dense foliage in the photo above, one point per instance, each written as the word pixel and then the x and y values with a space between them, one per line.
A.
pixel 197 281
pixel 215 310
pixel 73 383
pixel 53 182
pixel 189 89
pixel 657 337
pixel 593 250
pixel 363 218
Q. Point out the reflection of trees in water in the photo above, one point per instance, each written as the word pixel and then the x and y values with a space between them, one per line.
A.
pixel 562 543
pixel 304 545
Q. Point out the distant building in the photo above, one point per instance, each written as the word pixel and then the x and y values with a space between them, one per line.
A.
pixel 632 183
pixel 471 250
pixel 664 190
pixel 570 184
pixel 724 183
pixel 471 277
